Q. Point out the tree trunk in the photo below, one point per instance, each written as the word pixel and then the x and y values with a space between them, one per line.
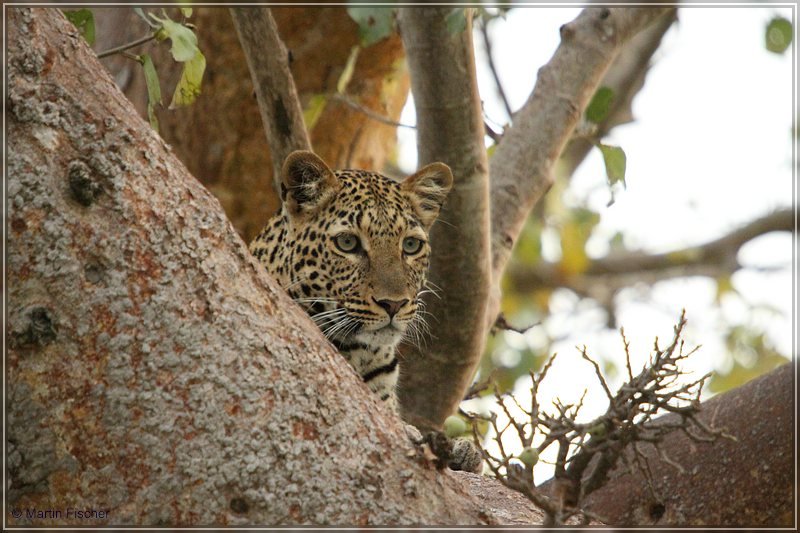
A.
pixel 155 374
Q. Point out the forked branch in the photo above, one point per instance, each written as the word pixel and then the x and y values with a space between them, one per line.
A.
pixel 587 452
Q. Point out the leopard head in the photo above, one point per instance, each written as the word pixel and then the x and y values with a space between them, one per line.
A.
pixel 359 245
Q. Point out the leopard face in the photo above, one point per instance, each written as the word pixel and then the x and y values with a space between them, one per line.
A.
pixel 352 247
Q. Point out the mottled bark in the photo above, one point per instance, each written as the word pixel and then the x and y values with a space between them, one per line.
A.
pixel 449 129
pixel 522 166
pixel 154 371
pixel 749 482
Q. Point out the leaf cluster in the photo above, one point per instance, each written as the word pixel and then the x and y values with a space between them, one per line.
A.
pixel 183 47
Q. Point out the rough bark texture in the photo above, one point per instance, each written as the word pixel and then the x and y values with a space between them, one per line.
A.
pixel 220 137
pixel 449 129
pixel 749 482
pixel 280 108
pixel 522 165
pixel 154 371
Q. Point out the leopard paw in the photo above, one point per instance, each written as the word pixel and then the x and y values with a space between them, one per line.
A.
pixel 465 456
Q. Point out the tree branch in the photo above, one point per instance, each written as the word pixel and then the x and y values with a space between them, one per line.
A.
pixel 280 108
pixel 617 271
pixel 626 77
pixel 522 166
pixel 126 46
pixel 450 129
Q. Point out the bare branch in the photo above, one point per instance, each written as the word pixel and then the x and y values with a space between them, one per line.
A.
pixel 587 453
pixel 714 258
pixel 348 101
pixel 126 46
pixel 756 469
pixel 521 168
pixel 268 60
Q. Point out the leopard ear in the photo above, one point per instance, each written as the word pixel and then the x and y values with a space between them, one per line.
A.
pixel 427 190
pixel 307 184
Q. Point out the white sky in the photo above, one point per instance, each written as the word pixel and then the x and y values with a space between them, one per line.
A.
pixel 710 150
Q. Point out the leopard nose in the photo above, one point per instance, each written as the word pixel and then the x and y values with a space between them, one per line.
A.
pixel 391 306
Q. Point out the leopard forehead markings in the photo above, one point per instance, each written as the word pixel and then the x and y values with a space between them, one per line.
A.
pixel 351 247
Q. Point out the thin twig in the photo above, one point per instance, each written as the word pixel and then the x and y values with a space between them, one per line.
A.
pixel 370 113
pixel 127 46
pixel 487 42
pixel 502 323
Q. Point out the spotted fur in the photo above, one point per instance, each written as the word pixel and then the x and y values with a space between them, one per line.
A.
pixel 351 247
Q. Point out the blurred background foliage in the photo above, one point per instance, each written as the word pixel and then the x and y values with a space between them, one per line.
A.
pixel 523 342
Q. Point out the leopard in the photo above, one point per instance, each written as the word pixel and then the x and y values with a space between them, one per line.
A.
pixel 352 247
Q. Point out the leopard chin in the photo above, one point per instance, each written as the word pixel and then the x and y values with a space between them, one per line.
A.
pixel 389 334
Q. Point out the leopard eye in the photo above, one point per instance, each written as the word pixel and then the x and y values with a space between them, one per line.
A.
pixel 411 245
pixel 347 242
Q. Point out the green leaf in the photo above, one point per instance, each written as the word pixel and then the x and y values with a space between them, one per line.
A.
pixel 374 23
pixel 184 41
pixel 83 19
pixel 347 73
pixel 153 89
pixel 186 11
pixel 189 85
pixel 456 20
pixel 314 110
pixel 615 160
pixel 598 109
pixel 778 35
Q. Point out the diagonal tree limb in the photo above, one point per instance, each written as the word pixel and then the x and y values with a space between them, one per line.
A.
pixel 614 272
pixel 625 77
pixel 450 129
pixel 280 108
pixel 522 166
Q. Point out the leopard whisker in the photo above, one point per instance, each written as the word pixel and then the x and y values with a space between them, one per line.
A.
pixel 342 325
pixel 315 300
pixel 295 282
pixel 329 319
pixel 434 287
pixel 329 313
pixel 428 291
